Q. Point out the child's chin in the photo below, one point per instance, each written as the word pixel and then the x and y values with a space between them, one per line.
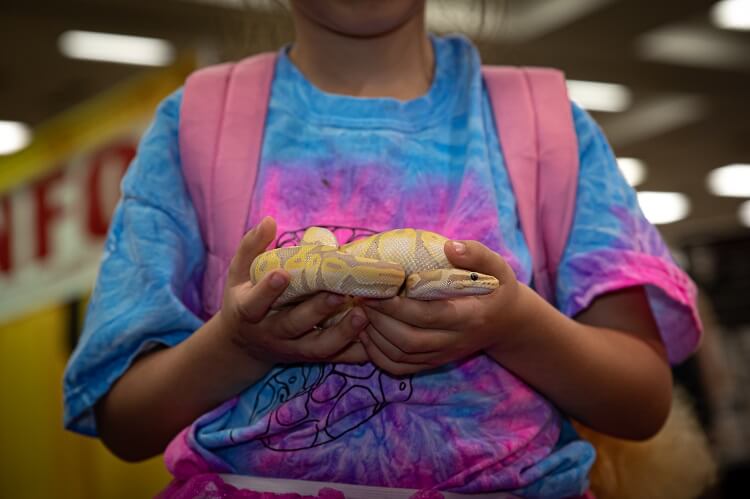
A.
pixel 360 18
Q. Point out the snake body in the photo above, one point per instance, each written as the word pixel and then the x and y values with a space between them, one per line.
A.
pixel 408 262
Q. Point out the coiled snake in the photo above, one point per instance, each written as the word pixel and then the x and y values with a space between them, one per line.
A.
pixel 406 262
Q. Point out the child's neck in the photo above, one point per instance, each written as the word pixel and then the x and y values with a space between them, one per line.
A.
pixel 397 64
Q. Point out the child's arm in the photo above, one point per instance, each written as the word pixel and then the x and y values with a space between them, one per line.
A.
pixel 166 390
pixel 607 369
pixel 616 375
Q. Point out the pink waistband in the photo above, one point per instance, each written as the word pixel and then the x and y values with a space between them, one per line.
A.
pixel 303 487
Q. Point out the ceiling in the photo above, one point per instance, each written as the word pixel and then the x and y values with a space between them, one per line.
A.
pixel 689 80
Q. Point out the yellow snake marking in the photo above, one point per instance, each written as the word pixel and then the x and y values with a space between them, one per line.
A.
pixel 319 235
pixel 311 269
pixel 433 245
pixel 261 266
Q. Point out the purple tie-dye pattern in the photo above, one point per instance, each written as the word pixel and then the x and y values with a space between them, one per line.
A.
pixel 613 247
pixel 338 195
pixel 497 426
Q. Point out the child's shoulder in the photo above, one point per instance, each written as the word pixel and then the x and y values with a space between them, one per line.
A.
pixel 169 107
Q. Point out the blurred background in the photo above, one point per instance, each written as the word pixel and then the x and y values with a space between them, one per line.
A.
pixel 668 80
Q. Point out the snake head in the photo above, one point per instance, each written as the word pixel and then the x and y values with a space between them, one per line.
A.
pixel 448 283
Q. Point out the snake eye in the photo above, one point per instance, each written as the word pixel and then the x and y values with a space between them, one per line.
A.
pixel 474 276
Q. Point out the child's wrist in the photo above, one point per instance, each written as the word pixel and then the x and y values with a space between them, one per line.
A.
pixel 232 347
pixel 520 332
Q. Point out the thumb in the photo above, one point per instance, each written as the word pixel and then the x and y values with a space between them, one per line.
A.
pixel 253 244
pixel 475 256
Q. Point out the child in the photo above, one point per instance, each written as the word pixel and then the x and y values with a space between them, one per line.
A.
pixel 373 125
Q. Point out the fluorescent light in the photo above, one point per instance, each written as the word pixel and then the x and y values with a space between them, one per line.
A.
pixel 123 49
pixel 528 19
pixel 655 116
pixel 693 46
pixel 664 207
pixel 263 5
pixel 730 181
pixel 732 14
pixel 598 96
pixel 744 213
pixel 634 170
pixel 14 136
pixel 454 16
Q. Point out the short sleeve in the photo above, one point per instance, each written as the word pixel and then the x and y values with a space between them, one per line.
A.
pixel 146 293
pixel 612 246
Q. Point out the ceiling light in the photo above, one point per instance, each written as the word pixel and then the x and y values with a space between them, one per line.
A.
pixel 123 49
pixel 655 116
pixel 447 17
pixel 730 181
pixel 598 96
pixel 664 207
pixel 693 46
pixel 744 213
pixel 264 5
pixel 527 19
pixel 634 170
pixel 732 14
pixel 14 136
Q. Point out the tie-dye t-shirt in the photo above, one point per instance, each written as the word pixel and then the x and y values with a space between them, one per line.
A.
pixel 360 166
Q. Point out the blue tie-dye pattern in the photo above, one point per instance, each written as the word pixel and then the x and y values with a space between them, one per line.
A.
pixel 147 290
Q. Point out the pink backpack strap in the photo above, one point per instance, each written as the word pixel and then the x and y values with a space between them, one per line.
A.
pixel 535 127
pixel 222 119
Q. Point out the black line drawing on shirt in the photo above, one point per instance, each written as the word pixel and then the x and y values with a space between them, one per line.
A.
pixel 315 404
pixel 342 398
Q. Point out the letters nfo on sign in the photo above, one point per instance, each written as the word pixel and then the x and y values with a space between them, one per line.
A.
pixel 52 229
pixel 57 195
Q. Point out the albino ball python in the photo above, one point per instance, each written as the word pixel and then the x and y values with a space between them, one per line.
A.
pixel 404 261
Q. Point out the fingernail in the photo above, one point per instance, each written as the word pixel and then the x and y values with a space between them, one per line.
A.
pixel 358 319
pixel 459 247
pixel 277 280
pixel 334 300
pixel 372 304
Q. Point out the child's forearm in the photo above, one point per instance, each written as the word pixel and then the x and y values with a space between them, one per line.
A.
pixel 166 390
pixel 614 379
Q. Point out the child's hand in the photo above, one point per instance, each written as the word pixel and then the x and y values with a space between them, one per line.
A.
pixel 407 336
pixel 289 335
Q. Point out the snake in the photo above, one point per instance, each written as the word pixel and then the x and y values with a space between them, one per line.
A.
pixel 400 262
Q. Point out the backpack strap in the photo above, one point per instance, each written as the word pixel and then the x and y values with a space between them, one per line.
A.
pixel 222 119
pixel 535 128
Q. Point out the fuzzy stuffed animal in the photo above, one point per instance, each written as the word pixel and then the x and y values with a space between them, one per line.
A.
pixel 675 464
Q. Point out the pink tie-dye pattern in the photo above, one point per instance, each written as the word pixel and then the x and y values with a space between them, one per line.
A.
pixel 508 428
pixel 378 202
pixel 638 257
pixel 519 428
pixel 671 293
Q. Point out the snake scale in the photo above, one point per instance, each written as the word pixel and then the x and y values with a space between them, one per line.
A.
pixel 406 262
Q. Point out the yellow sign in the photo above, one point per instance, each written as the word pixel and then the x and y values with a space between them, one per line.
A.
pixel 85 125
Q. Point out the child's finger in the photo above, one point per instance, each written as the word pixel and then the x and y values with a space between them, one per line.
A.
pixel 438 314
pixel 396 353
pixel 301 318
pixel 355 353
pixel 327 343
pixel 254 302
pixel 381 360
pixel 253 244
pixel 473 255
